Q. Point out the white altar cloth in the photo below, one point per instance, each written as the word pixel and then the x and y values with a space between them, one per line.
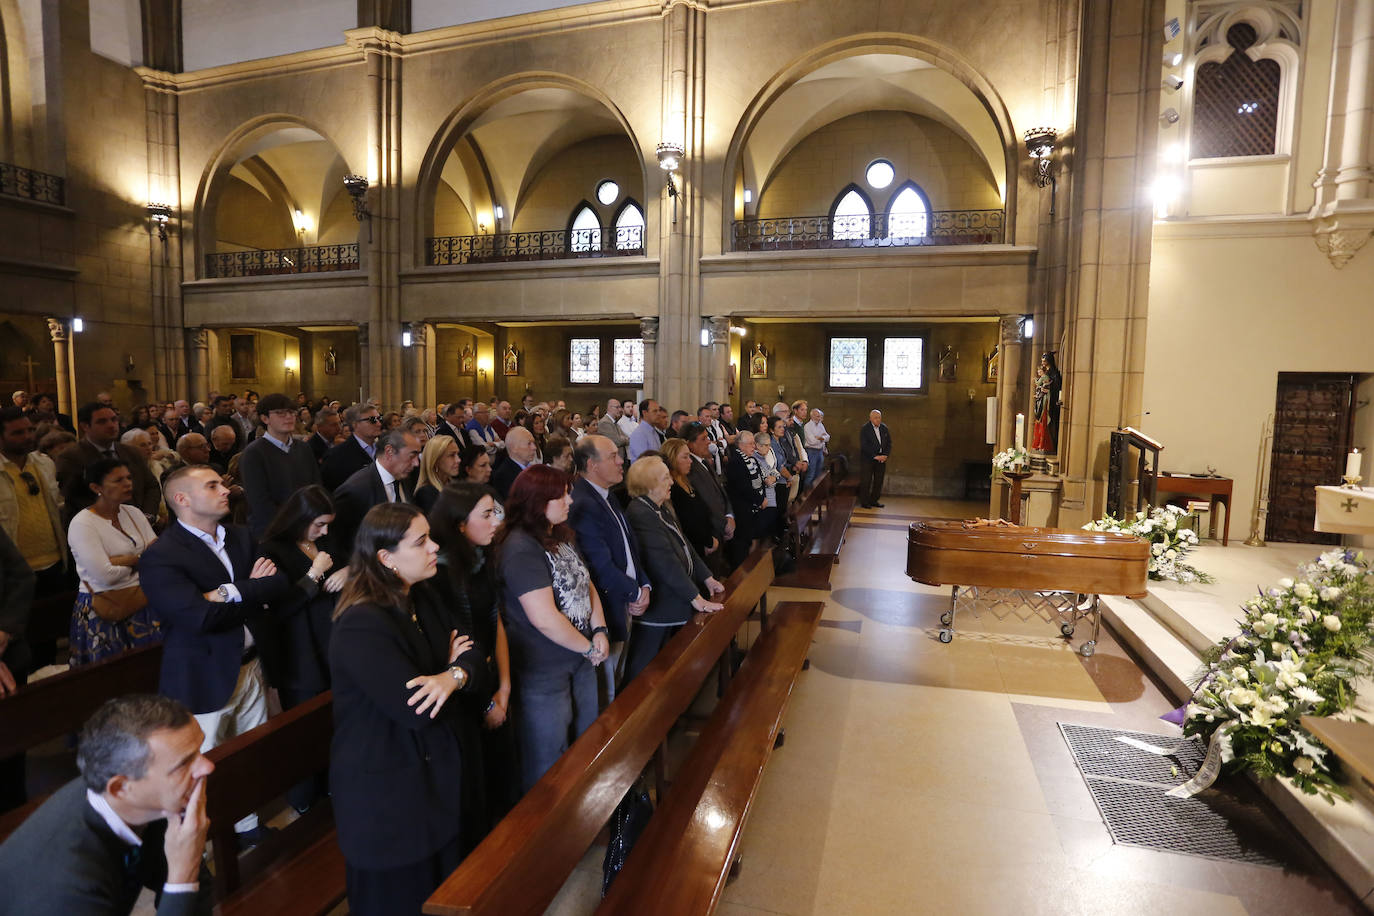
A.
pixel 1342 511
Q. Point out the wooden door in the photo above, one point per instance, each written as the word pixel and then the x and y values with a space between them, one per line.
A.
pixel 1313 425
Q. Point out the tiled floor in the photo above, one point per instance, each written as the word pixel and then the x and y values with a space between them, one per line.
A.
pixel 927 778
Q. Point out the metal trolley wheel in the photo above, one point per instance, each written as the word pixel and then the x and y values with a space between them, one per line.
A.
pixel 947 618
pixel 946 635
pixel 1086 650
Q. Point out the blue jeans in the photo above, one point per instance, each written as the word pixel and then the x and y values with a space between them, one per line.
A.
pixel 552 709
pixel 815 463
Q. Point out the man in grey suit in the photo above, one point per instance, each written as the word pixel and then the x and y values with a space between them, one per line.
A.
pixel 609 426
pixel 135 819
pixel 703 479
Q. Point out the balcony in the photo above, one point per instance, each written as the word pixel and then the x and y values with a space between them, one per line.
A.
pixel 538 245
pixel 943 227
pixel 29 184
pixel 263 262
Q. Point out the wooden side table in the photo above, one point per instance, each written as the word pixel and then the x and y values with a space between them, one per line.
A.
pixel 1216 489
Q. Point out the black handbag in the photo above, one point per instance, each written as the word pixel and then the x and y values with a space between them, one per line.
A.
pixel 627 823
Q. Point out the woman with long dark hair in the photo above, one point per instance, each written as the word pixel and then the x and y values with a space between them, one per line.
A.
pixel 553 617
pixel 395 758
pixel 464 522
pixel 474 464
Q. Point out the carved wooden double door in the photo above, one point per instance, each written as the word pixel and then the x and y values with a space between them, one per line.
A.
pixel 1313 425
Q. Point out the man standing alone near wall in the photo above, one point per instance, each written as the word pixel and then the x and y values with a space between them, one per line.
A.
pixel 875 445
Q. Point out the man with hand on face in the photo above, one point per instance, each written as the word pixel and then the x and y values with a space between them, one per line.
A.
pixel 204 585
pixel 605 541
pixel 134 819
pixel 387 480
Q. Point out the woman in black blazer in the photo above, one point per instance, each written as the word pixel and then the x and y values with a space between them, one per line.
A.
pixel 395 767
pixel 745 482
pixel 677 572
pixel 693 515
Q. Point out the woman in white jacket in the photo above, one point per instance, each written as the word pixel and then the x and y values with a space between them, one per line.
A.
pixel 107 540
pixel 817 443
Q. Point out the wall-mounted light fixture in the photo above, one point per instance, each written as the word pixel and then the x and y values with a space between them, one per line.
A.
pixel 500 212
pixel 406 337
pixel 1172 30
pixel 705 333
pixel 1027 327
pixel 1169 117
pixel 78 325
pixel 1040 147
pixel 739 329
pixel 748 196
pixel 1173 82
pixel 670 159
pixel 289 365
pixel 299 221
pixel 1173 58
pixel 356 185
pixel 159 215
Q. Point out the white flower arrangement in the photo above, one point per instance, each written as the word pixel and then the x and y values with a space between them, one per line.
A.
pixel 1169 541
pixel 1013 459
pixel 1302 647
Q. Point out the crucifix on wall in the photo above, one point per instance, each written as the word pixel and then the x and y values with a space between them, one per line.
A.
pixel 29 365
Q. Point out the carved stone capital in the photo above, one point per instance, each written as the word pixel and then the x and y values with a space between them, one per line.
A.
pixel 198 338
pixel 1340 245
pixel 720 329
pixel 59 328
pixel 1342 228
pixel 419 336
pixel 1009 330
pixel 648 330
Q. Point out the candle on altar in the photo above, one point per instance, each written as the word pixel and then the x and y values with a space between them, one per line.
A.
pixel 1352 463
pixel 1020 430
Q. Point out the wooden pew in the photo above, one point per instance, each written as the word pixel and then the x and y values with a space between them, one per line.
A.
pixel 524 861
pixel 59 705
pixel 299 871
pixel 817 527
pixel 680 864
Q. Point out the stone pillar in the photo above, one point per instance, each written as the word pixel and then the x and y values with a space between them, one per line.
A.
pixel 648 332
pixel 165 261
pixel 1343 215
pixel 683 122
pixel 364 365
pixel 60 331
pixel 1108 245
pixel 421 385
pixel 198 345
pixel 715 364
pixel 1011 382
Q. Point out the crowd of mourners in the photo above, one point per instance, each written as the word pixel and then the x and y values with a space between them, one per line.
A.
pixel 474 582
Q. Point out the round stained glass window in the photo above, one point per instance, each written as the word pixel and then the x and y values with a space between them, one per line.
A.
pixel 607 192
pixel 880 173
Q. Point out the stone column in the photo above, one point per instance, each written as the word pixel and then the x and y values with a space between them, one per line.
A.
pixel 648 332
pixel 198 345
pixel 421 385
pixel 1011 387
pixel 60 331
pixel 165 254
pixel 715 364
pixel 364 365
pixel 1343 215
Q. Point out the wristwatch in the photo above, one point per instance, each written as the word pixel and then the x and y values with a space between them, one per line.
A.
pixel 223 592
pixel 460 675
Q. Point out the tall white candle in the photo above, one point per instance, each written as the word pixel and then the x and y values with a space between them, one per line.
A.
pixel 1020 430
pixel 1352 463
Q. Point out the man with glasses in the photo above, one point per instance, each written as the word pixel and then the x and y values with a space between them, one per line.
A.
pixel 356 452
pixel 275 465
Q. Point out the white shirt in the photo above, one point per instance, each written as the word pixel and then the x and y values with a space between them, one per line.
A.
pixel 622 525
pixel 816 436
pixel 125 833
pixel 627 423
pixel 94 540
pixel 387 480
pixel 216 544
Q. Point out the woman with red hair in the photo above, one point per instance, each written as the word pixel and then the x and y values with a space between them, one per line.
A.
pixel 554 622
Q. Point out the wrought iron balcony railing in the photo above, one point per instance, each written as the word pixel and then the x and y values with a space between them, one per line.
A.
pixel 262 262
pixel 883 230
pixel 538 245
pixel 30 184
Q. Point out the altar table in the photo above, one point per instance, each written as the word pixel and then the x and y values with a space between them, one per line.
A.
pixel 1343 511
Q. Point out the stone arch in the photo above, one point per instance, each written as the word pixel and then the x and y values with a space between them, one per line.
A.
pixel 1003 159
pixel 459 124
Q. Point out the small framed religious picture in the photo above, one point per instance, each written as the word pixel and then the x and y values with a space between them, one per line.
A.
pixel 467 361
pixel 734 370
pixel 243 356
pixel 331 361
pixel 510 362
pixel 990 364
pixel 758 362
pixel 949 365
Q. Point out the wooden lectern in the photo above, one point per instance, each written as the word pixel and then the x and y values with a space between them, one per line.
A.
pixel 1146 469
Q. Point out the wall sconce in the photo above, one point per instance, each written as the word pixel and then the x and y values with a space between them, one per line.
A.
pixel 159 215
pixel 669 159
pixel 782 390
pixel 289 365
pixel 500 211
pixel 406 338
pixel 356 185
pixel 739 329
pixel 78 325
pixel 300 222
pixel 748 196
pixel 1040 146
pixel 128 363
pixel 1027 327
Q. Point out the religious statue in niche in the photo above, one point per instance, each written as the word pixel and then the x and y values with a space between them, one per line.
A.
pixel 467 361
pixel 990 363
pixel 1048 383
pixel 510 362
pixel 758 362
pixel 948 365
pixel 331 361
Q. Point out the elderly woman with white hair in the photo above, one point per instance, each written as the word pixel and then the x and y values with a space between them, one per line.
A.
pixel 817 444
pixel 158 461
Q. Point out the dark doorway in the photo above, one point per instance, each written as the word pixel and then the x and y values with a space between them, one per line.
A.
pixel 1314 420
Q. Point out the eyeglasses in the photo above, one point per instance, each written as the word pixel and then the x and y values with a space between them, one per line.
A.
pixel 372 419
pixel 31 481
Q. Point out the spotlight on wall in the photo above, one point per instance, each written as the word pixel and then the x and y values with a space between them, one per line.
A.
pixel 78 325
pixel 1173 58
pixel 1173 82
pixel 500 212
pixel 705 335
pixel 738 329
pixel 406 338
pixel 1172 29
pixel 1169 117
pixel 159 215
pixel 748 196
pixel 1027 327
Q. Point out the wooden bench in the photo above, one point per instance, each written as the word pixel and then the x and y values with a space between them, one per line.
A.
pixel 300 870
pixel 681 862
pixel 521 865
pixel 821 520
pixel 804 515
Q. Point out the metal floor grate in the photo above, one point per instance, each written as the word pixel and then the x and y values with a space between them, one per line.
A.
pixel 1128 785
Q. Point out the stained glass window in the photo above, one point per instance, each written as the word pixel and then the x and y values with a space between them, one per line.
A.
pixel 584 361
pixel 902 362
pixel 629 228
pixel 907 217
pixel 848 362
pixel 586 231
pixel 627 361
pixel 851 218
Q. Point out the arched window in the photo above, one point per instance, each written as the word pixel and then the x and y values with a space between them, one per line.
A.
pixel 852 215
pixel 908 213
pixel 584 232
pixel 1236 101
pixel 629 227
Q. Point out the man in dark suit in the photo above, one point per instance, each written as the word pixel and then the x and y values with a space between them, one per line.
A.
pixel 224 416
pixel 326 430
pixel 384 481
pixel 452 424
pixel 180 423
pixel 275 465
pixel 134 819
pixel 875 445
pixel 605 540
pixel 204 585
pixel 357 451
pixel 704 481
pixel 100 439
pixel 521 451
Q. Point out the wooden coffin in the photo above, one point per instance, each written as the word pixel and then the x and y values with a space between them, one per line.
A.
pixel 1033 559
